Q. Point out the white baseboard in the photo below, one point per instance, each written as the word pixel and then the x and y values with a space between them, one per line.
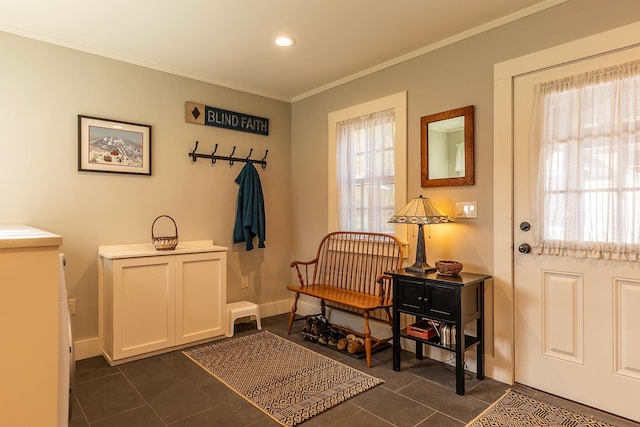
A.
pixel 90 347
pixel 275 308
pixel 87 348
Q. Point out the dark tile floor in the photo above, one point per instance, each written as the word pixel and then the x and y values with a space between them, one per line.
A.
pixel 170 390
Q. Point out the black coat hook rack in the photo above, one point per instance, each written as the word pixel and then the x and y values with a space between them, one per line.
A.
pixel 195 156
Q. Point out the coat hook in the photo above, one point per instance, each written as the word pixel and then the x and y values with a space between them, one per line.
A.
pixel 264 163
pixel 193 153
pixel 250 151
pixel 231 156
pixel 213 158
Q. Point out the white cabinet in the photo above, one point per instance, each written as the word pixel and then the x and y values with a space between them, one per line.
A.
pixel 155 301
pixel 29 356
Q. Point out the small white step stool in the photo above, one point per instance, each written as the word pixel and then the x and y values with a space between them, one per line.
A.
pixel 235 310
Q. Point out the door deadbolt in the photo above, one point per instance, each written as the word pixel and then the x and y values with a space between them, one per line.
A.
pixel 525 226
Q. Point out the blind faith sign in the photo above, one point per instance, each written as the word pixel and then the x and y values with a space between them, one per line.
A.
pixel 204 115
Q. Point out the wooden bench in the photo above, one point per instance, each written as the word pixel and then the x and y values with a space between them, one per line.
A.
pixel 348 273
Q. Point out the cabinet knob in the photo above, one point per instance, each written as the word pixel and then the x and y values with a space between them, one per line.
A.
pixel 420 298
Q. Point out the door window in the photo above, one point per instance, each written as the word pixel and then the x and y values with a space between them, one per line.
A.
pixel 586 136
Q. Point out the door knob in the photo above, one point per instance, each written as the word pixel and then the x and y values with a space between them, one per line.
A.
pixel 524 248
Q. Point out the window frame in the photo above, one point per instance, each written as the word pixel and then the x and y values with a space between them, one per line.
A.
pixel 398 102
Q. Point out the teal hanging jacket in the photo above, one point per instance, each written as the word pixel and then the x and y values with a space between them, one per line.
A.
pixel 250 219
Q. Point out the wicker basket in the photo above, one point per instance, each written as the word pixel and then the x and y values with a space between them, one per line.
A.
pixel 448 268
pixel 164 243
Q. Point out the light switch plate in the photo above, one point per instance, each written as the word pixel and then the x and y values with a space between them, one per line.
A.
pixel 466 209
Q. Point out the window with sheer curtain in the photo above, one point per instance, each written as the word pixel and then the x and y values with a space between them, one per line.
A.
pixel 365 172
pixel 586 133
pixel 367 165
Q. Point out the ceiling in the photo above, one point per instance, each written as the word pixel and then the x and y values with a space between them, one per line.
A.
pixel 230 42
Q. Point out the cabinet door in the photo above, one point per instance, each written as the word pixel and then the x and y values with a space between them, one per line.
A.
pixel 143 305
pixel 411 296
pixel 200 296
pixel 441 303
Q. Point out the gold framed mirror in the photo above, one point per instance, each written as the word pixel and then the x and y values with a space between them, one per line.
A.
pixel 446 148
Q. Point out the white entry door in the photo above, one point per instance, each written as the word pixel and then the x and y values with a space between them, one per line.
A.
pixel 577 321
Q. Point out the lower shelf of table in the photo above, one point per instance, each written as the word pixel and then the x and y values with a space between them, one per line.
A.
pixel 469 341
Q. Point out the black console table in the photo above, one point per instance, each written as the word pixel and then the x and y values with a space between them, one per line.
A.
pixel 451 300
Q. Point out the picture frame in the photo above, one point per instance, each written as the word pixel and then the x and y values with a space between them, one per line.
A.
pixel 113 146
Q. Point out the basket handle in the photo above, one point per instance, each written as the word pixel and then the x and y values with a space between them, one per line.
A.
pixel 166 216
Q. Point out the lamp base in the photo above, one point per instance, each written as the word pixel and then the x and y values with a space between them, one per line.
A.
pixel 421 265
pixel 420 268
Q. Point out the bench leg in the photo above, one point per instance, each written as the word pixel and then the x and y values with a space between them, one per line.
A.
pixel 292 315
pixel 389 316
pixel 367 338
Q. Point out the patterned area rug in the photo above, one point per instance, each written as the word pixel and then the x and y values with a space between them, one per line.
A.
pixel 515 410
pixel 283 379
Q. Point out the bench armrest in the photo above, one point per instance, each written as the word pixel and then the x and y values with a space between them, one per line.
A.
pixel 305 270
pixel 386 289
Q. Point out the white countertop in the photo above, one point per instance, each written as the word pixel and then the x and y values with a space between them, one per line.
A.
pixel 25 236
pixel 147 249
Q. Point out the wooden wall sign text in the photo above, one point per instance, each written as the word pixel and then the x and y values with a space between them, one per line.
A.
pixel 210 116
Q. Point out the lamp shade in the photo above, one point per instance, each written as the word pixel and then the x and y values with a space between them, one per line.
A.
pixel 420 211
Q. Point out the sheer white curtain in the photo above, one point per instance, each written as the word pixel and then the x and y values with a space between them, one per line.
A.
pixel 586 133
pixel 365 172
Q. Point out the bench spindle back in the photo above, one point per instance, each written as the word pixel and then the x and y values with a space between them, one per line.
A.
pixel 355 260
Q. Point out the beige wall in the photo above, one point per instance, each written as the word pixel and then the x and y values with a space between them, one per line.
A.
pixel 452 77
pixel 455 76
pixel 44 87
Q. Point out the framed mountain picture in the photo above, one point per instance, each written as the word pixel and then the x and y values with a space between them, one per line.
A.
pixel 113 146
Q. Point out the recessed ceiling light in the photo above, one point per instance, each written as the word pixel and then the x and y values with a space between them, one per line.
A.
pixel 285 41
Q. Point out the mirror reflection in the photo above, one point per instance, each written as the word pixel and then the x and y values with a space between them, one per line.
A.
pixel 447 148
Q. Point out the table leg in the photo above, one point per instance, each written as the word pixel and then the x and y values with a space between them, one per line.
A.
pixel 459 358
pixel 480 333
pixel 396 341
